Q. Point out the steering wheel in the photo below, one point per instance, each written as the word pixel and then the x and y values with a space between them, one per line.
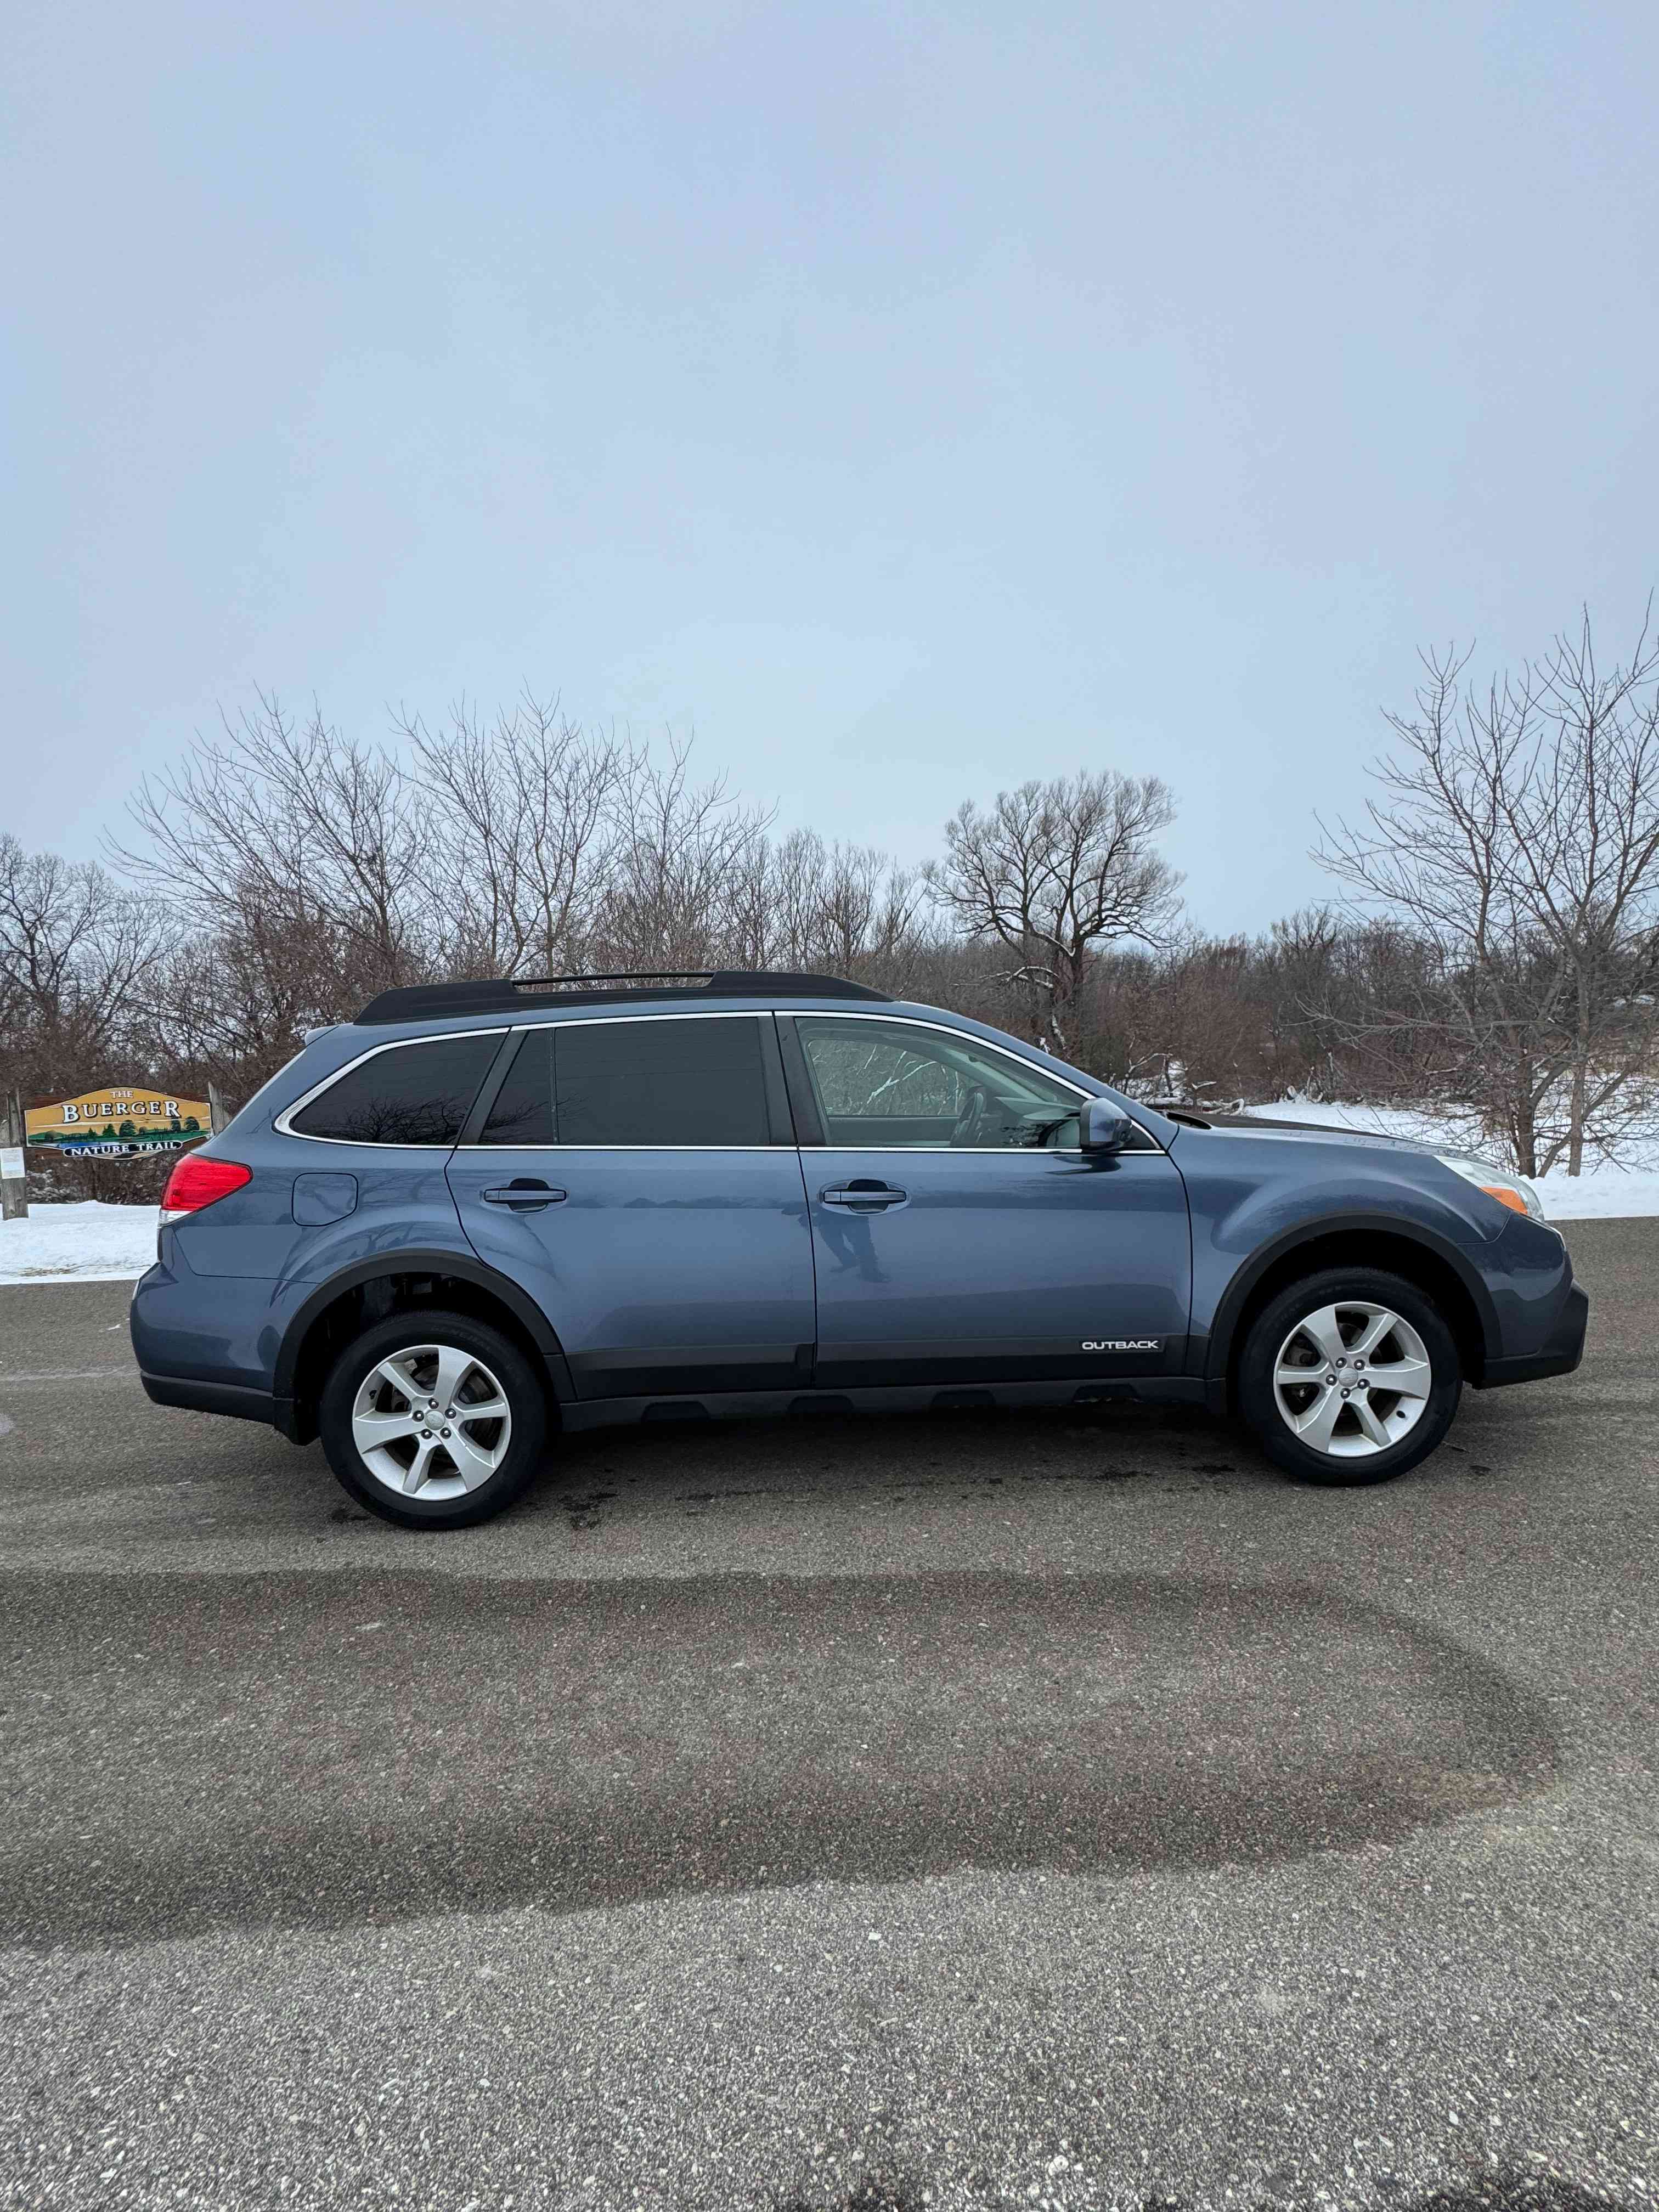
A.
pixel 970 1121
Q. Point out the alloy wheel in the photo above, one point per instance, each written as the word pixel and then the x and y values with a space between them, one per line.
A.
pixel 1351 1379
pixel 431 1422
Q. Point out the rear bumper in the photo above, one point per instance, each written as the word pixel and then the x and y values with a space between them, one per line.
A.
pixel 236 1399
pixel 1558 1355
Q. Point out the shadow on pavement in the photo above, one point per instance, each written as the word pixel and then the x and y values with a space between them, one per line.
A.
pixel 223 1750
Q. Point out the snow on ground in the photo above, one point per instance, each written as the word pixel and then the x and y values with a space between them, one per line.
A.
pixel 91 1241
pixel 1601 1192
pixel 96 1242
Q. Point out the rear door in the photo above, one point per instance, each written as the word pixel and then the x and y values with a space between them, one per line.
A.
pixel 638 1175
pixel 960 1235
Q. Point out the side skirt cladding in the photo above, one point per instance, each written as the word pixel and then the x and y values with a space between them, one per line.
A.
pixel 910 1398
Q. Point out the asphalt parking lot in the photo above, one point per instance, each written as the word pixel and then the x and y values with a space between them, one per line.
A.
pixel 981 1810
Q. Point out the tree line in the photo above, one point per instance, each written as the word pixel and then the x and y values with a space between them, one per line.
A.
pixel 1491 941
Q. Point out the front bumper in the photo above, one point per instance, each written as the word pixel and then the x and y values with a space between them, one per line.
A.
pixel 1558 1355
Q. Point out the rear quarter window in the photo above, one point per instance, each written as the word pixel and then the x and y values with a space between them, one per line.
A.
pixel 407 1094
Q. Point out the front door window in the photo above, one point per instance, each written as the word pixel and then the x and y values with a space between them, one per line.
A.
pixel 881 1086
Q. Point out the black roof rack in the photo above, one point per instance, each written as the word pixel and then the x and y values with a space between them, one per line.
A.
pixel 424 1002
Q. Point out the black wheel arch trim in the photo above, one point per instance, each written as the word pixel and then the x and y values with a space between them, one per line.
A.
pixel 1217 1356
pixel 421 1261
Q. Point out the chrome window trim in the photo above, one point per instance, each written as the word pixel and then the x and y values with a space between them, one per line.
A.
pixel 941 1151
pixel 659 1014
pixel 282 1127
pixel 948 1029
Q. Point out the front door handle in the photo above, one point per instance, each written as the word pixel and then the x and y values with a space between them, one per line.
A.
pixel 524 1194
pixel 864 1197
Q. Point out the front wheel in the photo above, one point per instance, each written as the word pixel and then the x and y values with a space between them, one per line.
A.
pixel 434 1420
pixel 1350 1375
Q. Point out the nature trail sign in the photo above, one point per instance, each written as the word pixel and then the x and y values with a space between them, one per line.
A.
pixel 116 1123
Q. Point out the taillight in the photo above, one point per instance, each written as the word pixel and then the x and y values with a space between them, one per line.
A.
pixel 197 1180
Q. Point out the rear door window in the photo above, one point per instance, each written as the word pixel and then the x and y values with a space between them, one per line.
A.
pixel 675 1081
pixel 409 1094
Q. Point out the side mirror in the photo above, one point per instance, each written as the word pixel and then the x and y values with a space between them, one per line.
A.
pixel 1106 1129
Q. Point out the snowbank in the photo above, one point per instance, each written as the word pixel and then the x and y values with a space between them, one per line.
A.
pixel 90 1243
pixel 1600 1193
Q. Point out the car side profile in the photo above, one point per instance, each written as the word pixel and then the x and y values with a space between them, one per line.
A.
pixel 483 1215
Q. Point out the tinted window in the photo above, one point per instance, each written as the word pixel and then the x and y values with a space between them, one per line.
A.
pixel 882 1084
pixel 523 1111
pixel 696 1081
pixel 414 1094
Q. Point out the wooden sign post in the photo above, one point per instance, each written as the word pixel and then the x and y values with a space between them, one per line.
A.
pixel 14 1180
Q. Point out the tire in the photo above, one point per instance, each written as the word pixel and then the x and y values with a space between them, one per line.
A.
pixel 1344 1410
pixel 380 1396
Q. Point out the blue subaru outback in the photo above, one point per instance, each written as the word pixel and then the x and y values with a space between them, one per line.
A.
pixel 482 1213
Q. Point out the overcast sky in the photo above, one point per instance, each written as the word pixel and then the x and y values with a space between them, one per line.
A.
pixel 910 400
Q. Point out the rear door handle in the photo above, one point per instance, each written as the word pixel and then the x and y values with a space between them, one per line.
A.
pixel 864 1197
pixel 524 1194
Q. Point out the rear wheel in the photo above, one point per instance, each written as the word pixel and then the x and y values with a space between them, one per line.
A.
pixel 1351 1375
pixel 434 1420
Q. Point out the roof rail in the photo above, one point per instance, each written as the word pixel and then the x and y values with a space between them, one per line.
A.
pixel 424 1002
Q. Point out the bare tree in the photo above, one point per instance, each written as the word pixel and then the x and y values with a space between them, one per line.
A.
pixel 78 952
pixel 319 870
pixel 233 1002
pixel 1586 823
pixel 1437 852
pixel 1518 835
pixel 868 912
pixel 800 903
pixel 681 850
pixel 1052 871
pixel 530 844
pixel 295 817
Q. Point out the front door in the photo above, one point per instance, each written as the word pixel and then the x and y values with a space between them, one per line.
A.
pixel 638 1176
pixel 958 1233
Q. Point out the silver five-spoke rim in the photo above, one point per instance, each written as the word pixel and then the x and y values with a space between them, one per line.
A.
pixel 1351 1379
pixel 431 1422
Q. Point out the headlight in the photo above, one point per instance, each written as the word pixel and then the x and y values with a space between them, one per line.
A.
pixel 1498 1182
